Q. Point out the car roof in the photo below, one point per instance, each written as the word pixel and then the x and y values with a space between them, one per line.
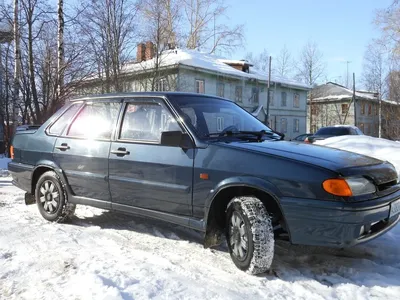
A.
pixel 138 94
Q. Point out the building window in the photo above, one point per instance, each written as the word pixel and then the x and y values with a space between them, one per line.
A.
pixel 162 85
pixel 254 95
pixel 361 126
pixel 283 125
pixel 369 109
pixel 295 125
pixel 271 98
pixel 220 124
pixel 376 109
pixel 345 108
pixel 283 99
pixel 220 89
pixel 363 108
pixel 314 109
pixel 296 100
pixel 199 86
pixel 238 93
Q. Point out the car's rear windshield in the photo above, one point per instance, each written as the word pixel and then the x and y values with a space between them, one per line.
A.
pixel 333 131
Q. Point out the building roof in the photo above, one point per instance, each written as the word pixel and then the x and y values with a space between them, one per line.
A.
pixel 334 91
pixel 208 62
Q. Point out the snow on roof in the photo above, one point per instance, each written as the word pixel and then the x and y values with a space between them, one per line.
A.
pixel 334 91
pixel 196 59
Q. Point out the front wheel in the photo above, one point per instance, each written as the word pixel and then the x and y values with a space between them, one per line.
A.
pixel 250 235
pixel 51 198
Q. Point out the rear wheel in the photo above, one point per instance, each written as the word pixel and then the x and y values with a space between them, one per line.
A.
pixel 51 198
pixel 250 235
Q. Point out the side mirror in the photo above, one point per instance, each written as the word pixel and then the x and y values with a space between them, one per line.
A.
pixel 176 139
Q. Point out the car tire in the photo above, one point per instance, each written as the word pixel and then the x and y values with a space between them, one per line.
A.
pixel 51 198
pixel 250 235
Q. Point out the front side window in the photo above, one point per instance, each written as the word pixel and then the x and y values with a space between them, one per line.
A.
pixel 271 98
pixel 200 86
pixel 283 125
pixel 295 125
pixel 296 100
pixel 283 99
pixel 162 85
pixel 95 121
pixel 238 94
pixel 220 89
pixel 345 108
pixel 58 126
pixel 207 115
pixel 146 122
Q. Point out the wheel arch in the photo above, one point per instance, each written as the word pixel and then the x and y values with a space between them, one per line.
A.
pixel 216 204
pixel 41 168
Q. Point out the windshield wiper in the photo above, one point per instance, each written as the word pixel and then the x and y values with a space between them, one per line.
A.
pixel 258 134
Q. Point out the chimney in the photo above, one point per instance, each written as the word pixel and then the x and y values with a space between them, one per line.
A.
pixel 140 55
pixel 149 52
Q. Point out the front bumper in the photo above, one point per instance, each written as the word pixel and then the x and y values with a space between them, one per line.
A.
pixel 338 224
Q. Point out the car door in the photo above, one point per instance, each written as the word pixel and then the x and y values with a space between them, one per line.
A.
pixel 83 149
pixel 142 172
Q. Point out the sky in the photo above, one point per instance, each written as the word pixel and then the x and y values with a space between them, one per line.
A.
pixel 341 28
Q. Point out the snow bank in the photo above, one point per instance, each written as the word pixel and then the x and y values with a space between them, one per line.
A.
pixel 383 149
pixel 4 166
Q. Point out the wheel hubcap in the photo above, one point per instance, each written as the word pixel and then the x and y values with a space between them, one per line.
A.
pixel 238 237
pixel 49 196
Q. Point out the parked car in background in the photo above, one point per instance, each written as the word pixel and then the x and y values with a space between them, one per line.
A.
pixel 301 137
pixel 331 131
pixel 207 164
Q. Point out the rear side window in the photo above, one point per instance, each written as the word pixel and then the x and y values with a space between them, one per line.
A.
pixel 333 131
pixel 95 121
pixel 58 127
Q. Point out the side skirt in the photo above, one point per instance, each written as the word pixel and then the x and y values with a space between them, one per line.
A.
pixel 184 221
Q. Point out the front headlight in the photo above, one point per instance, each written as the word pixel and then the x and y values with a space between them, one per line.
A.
pixel 360 186
pixel 347 187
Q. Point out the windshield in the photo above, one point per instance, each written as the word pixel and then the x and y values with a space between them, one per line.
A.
pixel 333 131
pixel 210 116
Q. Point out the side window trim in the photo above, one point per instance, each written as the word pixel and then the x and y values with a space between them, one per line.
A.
pixel 85 103
pixel 47 130
pixel 147 100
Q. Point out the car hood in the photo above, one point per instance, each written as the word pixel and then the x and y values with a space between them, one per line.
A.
pixel 344 162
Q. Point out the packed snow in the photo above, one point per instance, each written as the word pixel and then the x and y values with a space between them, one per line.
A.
pixel 211 62
pixel 105 255
pixel 382 149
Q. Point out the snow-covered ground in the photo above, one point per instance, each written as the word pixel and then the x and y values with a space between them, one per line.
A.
pixel 104 255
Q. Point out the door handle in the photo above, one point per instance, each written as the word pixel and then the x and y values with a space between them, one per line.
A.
pixel 120 152
pixel 63 147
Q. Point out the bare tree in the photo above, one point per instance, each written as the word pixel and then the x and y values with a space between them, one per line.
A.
pixel 283 65
pixel 162 19
pixel 60 50
pixel 202 29
pixel 310 65
pixel 310 69
pixel 17 64
pixel 260 61
pixel 388 20
pixel 109 29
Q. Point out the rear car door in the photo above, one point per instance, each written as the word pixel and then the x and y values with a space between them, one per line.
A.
pixel 142 172
pixel 83 148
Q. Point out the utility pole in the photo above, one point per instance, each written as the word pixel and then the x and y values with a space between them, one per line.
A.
pixel 268 86
pixel 354 99
pixel 347 73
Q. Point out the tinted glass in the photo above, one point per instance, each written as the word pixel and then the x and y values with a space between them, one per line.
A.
pixel 64 120
pixel 207 114
pixel 333 131
pixel 146 122
pixel 95 121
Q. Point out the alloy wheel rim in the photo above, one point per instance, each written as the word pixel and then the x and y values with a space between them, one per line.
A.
pixel 49 196
pixel 238 237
